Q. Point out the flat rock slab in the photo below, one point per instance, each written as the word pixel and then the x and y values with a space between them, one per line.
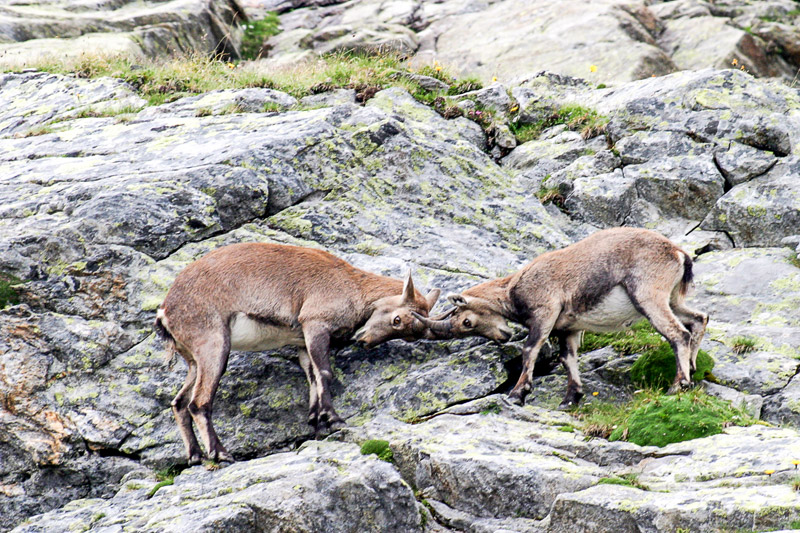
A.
pixel 321 487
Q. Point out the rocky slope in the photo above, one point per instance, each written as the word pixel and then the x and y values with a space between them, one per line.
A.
pixel 101 214
pixel 603 41
pixel 105 199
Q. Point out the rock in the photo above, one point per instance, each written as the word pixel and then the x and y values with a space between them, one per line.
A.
pixel 337 97
pixel 741 163
pixel 754 214
pixel 322 486
pixel 564 37
pixel 223 103
pixel 751 403
pixel 47 30
pixel 691 41
pixel 493 98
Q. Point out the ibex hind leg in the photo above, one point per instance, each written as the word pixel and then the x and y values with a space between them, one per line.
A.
pixel 568 355
pixel 695 322
pixel 211 358
pixel 313 394
pixel 655 307
pixel 184 418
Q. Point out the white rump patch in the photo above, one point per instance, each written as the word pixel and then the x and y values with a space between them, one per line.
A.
pixel 615 312
pixel 253 336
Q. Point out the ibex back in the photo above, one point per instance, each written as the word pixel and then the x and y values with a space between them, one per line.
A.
pixel 258 296
pixel 605 282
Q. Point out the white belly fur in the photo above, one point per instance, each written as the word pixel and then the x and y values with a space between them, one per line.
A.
pixel 614 313
pixel 253 336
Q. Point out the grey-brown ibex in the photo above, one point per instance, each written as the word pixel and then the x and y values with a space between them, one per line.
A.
pixel 605 282
pixel 259 296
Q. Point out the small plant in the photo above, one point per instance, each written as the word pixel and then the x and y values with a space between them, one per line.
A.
pixel 271 107
pixel 628 480
pixel 566 428
pixel 165 478
pixel 794 259
pixel 796 484
pixel 743 345
pixel 551 195
pixel 524 132
pixel 465 85
pixel 256 32
pixel 8 293
pixel 491 409
pixel 378 447
pixel 438 72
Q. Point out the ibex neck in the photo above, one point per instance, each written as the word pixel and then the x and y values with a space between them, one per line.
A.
pixel 496 292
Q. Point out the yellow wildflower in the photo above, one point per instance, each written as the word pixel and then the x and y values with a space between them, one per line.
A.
pixel 231 65
pixel 595 393
pixel 438 68
pixel 494 79
pixel 514 108
pixel 769 472
pixel 735 62
pixel 593 68
pixel 795 463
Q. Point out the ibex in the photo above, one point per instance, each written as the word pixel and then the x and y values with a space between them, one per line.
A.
pixel 605 282
pixel 259 296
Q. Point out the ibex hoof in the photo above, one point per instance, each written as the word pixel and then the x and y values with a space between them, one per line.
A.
pixel 195 459
pixel 516 399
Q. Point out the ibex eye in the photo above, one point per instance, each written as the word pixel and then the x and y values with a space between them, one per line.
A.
pixel 396 321
pixel 467 323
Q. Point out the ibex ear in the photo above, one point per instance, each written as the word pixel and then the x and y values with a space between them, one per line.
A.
pixel 457 300
pixel 431 298
pixel 408 289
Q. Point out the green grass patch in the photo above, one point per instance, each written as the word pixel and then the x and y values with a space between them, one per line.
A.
pixel 158 485
pixel 794 259
pixel 576 118
pixel 653 418
pixel 655 367
pixel 742 345
pixel 552 195
pixel 256 32
pixel 8 293
pixel 378 447
pixel 464 85
pixel 491 409
pixel 628 480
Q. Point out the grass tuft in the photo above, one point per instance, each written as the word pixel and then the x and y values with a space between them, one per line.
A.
pixel 743 345
pixel 378 447
pixel 8 292
pixel 653 418
pixel 628 480
pixel 256 32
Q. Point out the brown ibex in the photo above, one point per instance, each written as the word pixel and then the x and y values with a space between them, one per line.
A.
pixel 259 296
pixel 605 282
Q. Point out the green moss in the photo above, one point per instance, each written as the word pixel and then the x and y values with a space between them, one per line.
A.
pixel 659 420
pixel 656 368
pixel 158 485
pixel 256 32
pixel 628 480
pixel 8 291
pixel 380 448
pixel 491 409
pixel 639 338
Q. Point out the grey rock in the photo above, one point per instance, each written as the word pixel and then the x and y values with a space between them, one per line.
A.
pixel 321 487
pixel 741 163
pixel 223 103
pixel 752 403
pixel 754 214
pixel 494 97
pixel 337 97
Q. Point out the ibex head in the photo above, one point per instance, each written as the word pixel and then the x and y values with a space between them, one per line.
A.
pixel 471 316
pixel 394 317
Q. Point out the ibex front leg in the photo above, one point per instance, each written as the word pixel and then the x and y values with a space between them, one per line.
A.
pixel 540 326
pixel 318 342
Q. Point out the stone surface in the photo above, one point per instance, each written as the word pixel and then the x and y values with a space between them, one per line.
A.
pixel 49 31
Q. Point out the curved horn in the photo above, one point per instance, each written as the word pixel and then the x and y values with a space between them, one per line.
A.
pixel 444 315
pixel 408 288
pixel 441 327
